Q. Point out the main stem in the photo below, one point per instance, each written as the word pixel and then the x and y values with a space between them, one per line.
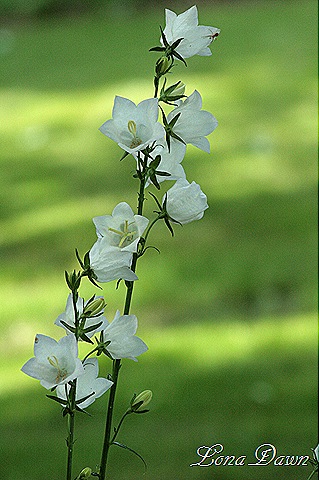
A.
pixel 70 442
pixel 70 439
pixel 71 396
pixel 117 363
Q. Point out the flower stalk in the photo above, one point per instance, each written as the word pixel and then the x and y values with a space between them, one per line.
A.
pixel 107 442
pixel 71 425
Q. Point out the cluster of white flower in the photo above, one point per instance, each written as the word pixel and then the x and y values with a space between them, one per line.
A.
pixel 158 150
pixel 56 364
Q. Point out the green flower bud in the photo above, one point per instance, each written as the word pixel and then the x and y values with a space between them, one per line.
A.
pixel 172 93
pixel 141 401
pixel 162 66
pixel 84 474
pixel 179 89
pixel 94 308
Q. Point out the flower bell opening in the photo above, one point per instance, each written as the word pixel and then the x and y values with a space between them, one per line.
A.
pixel 61 372
pixel 126 235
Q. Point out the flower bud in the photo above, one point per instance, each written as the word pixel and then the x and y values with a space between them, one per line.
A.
pixel 185 202
pixel 162 66
pixel 94 307
pixel 84 474
pixel 173 93
pixel 141 401
pixel 179 89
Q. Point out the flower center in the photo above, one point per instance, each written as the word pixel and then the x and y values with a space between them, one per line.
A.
pixel 126 236
pixel 136 141
pixel 61 372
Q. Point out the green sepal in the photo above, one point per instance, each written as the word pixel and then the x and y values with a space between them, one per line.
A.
pixel 61 401
pixel 125 154
pixel 79 258
pixel 85 338
pixel 157 49
pixel 169 226
pixel 171 124
pixel 92 327
pixel 86 259
pixel 73 280
pixel 72 329
pixel 157 201
pixel 155 163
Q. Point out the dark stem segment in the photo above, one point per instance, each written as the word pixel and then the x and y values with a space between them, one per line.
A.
pixel 108 424
pixel 117 363
pixel 70 439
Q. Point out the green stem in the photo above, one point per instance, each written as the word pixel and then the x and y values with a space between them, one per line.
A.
pixel 71 422
pixel 119 425
pixel 117 363
pixel 71 396
pixel 108 424
pixel 145 236
pixel 312 473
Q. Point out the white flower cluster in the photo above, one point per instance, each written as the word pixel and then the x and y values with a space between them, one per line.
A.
pixel 135 128
pixel 159 149
pixel 56 363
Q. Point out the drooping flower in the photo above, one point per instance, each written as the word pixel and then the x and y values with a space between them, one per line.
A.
pixel 133 127
pixel 192 124
pixel 185 202
pixel 110 263
pixel 121 230
pixel 68 317
pixel 121 335
pixel 88 385
pixel 196 38
pixel 54 363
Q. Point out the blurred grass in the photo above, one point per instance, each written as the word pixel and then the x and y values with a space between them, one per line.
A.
pixel 227 308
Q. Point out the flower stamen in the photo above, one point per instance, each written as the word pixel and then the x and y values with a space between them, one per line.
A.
pixel 132 128
pixel 126 235
pixel 62 373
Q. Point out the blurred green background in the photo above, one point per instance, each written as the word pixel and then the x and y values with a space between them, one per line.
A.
pixel 228 307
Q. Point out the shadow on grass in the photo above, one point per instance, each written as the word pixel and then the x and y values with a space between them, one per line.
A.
pixel 252 256
pixel 269 398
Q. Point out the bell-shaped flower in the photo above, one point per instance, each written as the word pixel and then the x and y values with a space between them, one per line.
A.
pixel 54 363
pixel 89 386
pixel 133 127
pixel 185 202
pixel 110 263
pixel 190 123
pixel 68 317
pixel 119 336
pixel 196 38
pixel 121 230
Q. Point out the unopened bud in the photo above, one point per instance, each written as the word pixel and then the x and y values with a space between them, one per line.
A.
pixel 141 401
pixel 94 308
pixel 162 66
pixel 84 474
pixel 179 89
pixel 173 92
